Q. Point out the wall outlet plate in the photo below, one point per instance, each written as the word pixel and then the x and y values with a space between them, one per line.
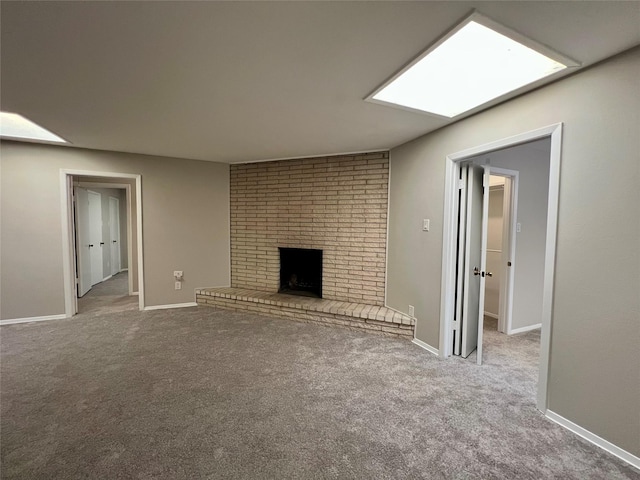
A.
pixel 178 285
pixel 412 311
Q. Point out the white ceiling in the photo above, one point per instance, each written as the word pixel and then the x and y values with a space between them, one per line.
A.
pixel 243 81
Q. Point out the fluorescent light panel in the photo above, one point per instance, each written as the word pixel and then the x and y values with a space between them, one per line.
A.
pixel 471 67
pixel 16 126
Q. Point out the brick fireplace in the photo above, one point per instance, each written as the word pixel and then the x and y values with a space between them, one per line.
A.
pixel 335 210
pixel 335 204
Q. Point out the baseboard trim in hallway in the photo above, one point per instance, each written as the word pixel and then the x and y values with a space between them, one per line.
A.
pixel 173 305
pixel 595 439
pixel 426 346
pixel 44 318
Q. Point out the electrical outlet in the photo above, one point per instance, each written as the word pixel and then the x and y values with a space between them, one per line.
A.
pixel 178 285
pixel 412 311
pixel 177 274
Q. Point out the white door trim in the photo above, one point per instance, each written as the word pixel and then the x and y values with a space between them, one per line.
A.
pixel 507 274
pixel 115 201
pixel 447 304
pixel 68 252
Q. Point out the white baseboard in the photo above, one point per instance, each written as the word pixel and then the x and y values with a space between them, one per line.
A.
pixel 491 315
pixel 595 439
pixel 33 319
pixel 426 346
pixel 528 328
pixel 124 270
pixel 107 278
pixel 173 305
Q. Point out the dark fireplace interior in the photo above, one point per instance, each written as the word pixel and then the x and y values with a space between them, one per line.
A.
pixel 301 272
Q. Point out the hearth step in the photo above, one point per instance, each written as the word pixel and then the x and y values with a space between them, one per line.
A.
pixel 372 318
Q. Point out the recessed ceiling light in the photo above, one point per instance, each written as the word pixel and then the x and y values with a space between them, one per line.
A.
pixel 16 126
pixel 477 62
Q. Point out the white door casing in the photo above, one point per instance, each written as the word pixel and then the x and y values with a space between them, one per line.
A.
pixel 95 236
pixel 114 234
pixel 447 299
pixel 508 260
pixel 69 247
pixel 83 251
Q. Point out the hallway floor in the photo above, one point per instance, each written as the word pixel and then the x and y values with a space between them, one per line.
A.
pixel 109 296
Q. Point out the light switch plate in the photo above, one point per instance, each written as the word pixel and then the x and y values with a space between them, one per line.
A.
pixel 425 224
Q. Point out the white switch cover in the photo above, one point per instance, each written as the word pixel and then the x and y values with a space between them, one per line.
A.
pixel 518 227
pixel 178 285
pixel 425 224
pixel 412 311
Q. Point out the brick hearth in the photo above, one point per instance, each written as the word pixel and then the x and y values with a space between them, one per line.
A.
pixel 356 316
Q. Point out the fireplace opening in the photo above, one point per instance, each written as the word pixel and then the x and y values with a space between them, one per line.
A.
pixel 301 272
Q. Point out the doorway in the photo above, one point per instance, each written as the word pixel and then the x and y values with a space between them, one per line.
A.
pixel 451 273
pixel 111 226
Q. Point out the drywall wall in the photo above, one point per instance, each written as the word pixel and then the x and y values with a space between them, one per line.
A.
pixel 595 326
pixel 185 221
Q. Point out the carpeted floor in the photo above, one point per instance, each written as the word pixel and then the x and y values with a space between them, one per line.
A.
pixel 201 393
pixel 109 296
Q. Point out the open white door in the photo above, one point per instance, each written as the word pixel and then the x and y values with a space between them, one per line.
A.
pixel 83 254
pixel 114 234
pixel 477 203
pixel 95 236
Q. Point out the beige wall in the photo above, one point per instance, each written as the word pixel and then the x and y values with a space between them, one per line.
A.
pixel 185 214
pixel 593 376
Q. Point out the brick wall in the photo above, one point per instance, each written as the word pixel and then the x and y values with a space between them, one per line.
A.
pixel 337 204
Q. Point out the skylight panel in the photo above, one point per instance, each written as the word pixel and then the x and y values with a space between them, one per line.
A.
pixel 13 125
pixel 471 67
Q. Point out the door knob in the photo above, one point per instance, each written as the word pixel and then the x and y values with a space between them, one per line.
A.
pixel 476 271
pixel 90 245
pixel 101 243
pixel 114 241
pixel 488 274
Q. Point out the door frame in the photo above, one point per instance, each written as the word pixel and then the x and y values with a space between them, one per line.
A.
pixel 102 276
pixel 68 243
pixel 510 219
pixel 117 204
pixel 447 302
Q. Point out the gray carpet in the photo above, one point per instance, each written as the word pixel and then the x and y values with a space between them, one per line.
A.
pixel 109 296
pixel 202 393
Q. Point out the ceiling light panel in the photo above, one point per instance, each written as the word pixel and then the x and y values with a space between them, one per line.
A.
pixel 472 66
pixel 13 125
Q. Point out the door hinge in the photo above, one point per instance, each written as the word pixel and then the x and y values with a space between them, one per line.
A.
pixel 460 184
pixel 456 325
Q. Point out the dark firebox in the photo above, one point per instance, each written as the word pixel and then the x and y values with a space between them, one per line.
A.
pixel 301 271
